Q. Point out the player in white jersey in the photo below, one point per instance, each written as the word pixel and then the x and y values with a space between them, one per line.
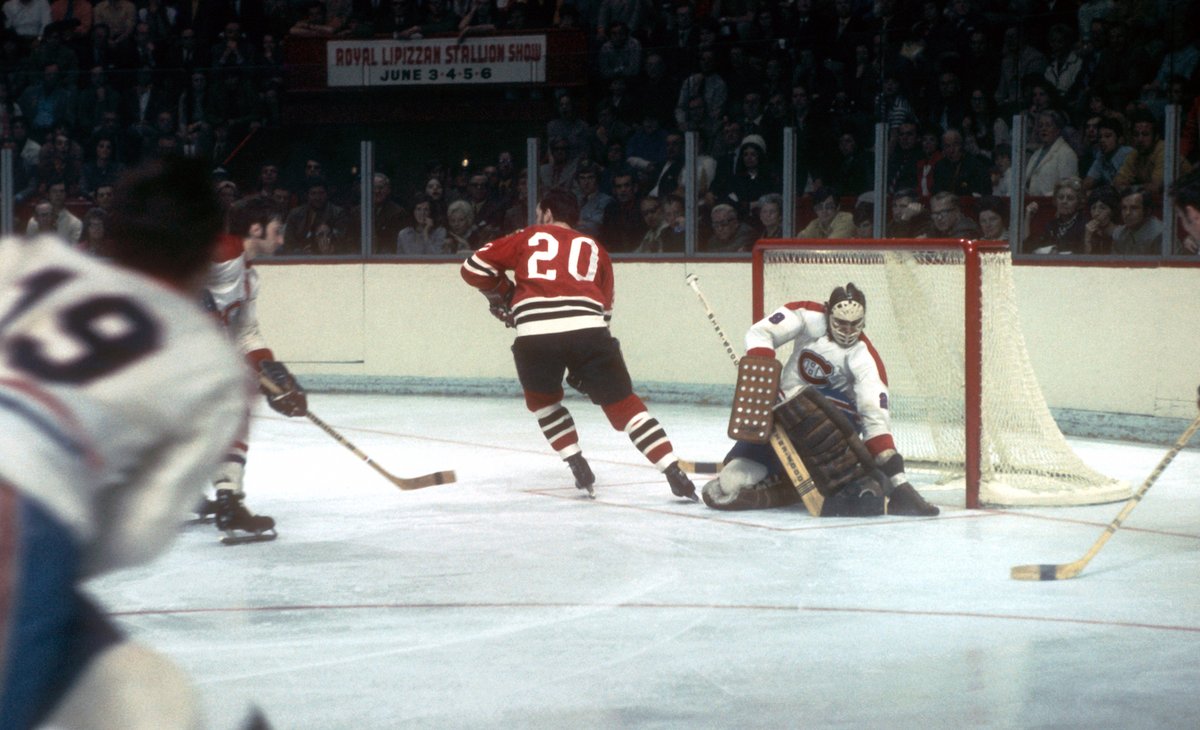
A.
pixel 830 354
pixel 118 396
pixel 231 293
pixel 560 305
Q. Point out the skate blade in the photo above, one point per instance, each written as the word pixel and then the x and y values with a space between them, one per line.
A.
pixel 232 538
pixel 588 491
pixel 208 520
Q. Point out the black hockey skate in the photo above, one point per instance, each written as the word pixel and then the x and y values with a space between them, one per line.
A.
pixel 681 486
pixel 584 478
pixel 205 512
pixel 238 524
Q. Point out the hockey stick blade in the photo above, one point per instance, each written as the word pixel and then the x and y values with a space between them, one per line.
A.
pixel 1070 570
pixel 700 467
pixel 426 480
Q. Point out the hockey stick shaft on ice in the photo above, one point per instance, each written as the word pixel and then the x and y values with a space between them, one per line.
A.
pixel 1070 570
pixel 420 482
pixel 782 445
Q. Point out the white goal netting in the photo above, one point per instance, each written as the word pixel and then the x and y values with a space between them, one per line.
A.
pixel 916 319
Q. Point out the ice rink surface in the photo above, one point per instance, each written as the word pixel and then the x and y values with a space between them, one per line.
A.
pixel 506 600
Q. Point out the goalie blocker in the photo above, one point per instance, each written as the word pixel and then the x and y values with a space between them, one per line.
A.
pixel 853 482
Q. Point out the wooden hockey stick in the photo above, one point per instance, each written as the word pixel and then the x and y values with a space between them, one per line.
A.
pixel 1070 570
pixel 425 480
pixel 700 467
pixel 801 479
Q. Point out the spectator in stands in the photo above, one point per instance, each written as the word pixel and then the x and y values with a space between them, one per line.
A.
pixel 752 178
pixel 61 160
pixel 162 19
pixel 227 193
pixel 904 158
pixel 387 218
pixel 864 219
pixel 517 215
pixel 1064 233
pixel 592 202
pixel 95 232
pixel 51 49
pixel 317 23
pixel 568 127
pixel 119 16
pixel 94 100
pixel 893 104
pixel 993 218
pixel 462 234
pixel 656 225
pixel 1053 161
pixel 1064 68
pixel 647 145
pixel 830 221
pixel 706 85
pixel 300 226
pixel 1103 204
pixel 910 219
pixel 979 67
pixel 623 227
pixel 931 154
pixel 1001 172
pixel 1144 165
pixel 48 103
pixel 103 197
pixel 1018 61
pixel 481 17
pixel 52 216
pixel 424 236
pixel 1111 154
pixel 621 55
pixel 102 169
pixel 855 169
pixel 435 190
pixel 729 233
pixel 487 210
pixel 982 128
pixel 26 151
pixel 559 171
pixel 607 127
pixel 770 215
pixel 639 16
pixel 656 91
pixel 950 107
pixel 949 221
pixel 959 172
pixel 1140 232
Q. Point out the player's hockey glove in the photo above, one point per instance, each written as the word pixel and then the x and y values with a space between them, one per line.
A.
pixel 500 301
pixel 291 400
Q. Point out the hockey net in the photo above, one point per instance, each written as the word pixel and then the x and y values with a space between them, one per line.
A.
pixel 964 399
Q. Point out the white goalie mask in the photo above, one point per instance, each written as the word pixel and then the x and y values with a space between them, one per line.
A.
pixel 846 314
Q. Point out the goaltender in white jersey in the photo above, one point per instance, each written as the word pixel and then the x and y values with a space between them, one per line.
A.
pixel 118 396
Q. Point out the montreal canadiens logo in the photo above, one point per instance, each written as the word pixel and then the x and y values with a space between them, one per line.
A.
pixel 814 368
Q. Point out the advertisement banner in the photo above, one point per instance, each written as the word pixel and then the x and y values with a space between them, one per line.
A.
pixel 492 60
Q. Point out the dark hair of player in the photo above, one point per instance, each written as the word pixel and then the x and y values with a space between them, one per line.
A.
pixel 1186 190
pixel 562 205
pixel 165 219
pixel 243 216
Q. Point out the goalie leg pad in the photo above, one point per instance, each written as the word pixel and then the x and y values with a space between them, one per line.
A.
pixel 825 443
pixel 745 485
pixel 757 385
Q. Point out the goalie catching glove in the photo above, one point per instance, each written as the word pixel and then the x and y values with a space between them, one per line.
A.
pixel 291 399
pixel 500 301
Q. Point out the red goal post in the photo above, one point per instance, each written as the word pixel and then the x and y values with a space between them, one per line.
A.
pixel 964 400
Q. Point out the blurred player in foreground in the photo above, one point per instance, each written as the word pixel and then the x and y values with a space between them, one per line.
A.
pixel 118 396
pixel 231 292
pixel 835 400
pixel 560 303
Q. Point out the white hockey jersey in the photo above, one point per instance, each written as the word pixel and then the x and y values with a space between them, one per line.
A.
pixel 852 377
pixel 118 396
pixel 232 287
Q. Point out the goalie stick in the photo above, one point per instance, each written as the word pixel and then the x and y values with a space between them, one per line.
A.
pixel 425 480
pixel 813 500
pixel 1070 570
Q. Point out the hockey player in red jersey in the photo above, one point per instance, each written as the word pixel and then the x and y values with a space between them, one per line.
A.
pixel 560 301
pixel 231 293
pixel 832 355
pixel 118 396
